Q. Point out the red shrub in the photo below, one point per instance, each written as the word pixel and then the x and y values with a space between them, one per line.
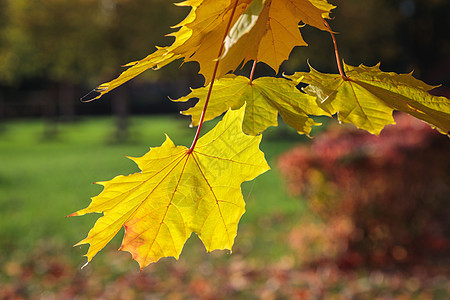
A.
pixel 394 188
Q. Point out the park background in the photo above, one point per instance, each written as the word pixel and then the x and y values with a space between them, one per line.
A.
pixel 53 146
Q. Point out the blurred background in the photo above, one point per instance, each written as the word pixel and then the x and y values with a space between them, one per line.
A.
pixel 343 215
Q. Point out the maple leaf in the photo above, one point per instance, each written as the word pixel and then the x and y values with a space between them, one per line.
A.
pixel 272 31
pixel 161 57
pixel 269 26
pixel 244 24
pixel 263 99
pixel 179 192
pixel 368 97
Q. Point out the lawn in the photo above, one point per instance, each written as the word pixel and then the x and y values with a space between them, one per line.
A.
pixel 43 180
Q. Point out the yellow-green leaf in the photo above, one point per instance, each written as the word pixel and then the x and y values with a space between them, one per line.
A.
pixel 263 99
pixel 368 96
pixel 179 192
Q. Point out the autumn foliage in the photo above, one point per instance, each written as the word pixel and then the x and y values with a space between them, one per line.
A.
pixel 383 199
pixel 196 191
pixel 182 190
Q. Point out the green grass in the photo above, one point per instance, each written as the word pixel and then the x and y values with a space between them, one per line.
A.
pixel 43 180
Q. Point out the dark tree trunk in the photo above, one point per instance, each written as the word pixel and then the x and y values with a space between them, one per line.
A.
pixel 2 112
pixel 66 100
pixel 50 112
pixel 121 110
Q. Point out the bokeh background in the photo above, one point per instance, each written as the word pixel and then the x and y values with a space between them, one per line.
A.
pixel 342 216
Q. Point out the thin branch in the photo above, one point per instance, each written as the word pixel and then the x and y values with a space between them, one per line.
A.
pixel 202 117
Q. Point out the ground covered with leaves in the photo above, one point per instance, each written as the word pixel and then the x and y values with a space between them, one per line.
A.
pixel 42 275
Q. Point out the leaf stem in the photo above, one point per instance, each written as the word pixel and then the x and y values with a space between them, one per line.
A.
pixel 202 117
pixel 336 52
pixel 252 72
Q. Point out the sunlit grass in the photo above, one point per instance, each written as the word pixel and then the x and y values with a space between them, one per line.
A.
pixel 42 180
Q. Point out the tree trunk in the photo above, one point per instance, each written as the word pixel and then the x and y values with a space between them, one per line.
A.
pixel 121 110
pixel 50 112
pixel 2 112
pixel 66 101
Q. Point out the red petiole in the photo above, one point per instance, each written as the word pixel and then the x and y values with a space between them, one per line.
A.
pixel 336 52
pixel 202 117
pixel 252 71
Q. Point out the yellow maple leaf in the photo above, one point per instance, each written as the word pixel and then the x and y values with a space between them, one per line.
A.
pixel 179 192
pixel 158 59
pixel 368 96
pixel 269 37
pixel 263 98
